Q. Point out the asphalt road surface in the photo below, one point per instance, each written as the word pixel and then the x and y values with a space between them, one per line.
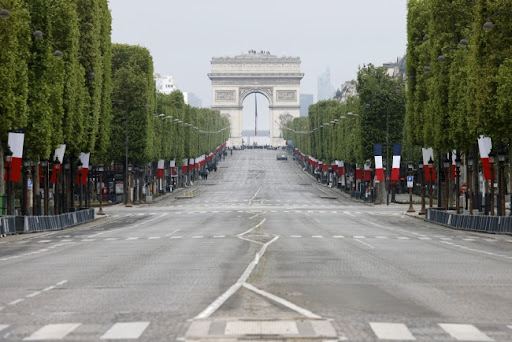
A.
pixel 259 251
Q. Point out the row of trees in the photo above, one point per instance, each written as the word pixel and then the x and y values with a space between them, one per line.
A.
pixel 63 81
pixel 459 85
pixel 348 131
pixel 459 73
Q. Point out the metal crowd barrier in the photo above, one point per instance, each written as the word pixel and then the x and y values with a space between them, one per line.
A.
pixel 7 225
pixel 29 224
pixel 486 224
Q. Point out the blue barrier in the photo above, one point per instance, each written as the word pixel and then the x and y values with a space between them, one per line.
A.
pixel 30 224
pixel 485 224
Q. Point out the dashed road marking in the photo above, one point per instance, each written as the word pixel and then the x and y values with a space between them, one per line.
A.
pixel 392 331
pixel 52 332
pixel 465 332
pixel 125 331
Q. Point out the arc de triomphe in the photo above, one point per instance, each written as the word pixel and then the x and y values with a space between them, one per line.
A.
pixel 277 78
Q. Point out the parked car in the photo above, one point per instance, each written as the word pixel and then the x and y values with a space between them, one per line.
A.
pixel 282 157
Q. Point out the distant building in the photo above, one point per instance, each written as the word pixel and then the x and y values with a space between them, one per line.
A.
pixel 194 100
pixel 165 84
pixel 324 87
pixel 347 89
pixel 396 69
pixel 306 100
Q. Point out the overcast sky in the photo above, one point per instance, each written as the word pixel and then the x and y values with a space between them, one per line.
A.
pixel 183 35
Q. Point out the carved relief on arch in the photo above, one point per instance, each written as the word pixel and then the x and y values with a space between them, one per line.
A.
pixel 266 91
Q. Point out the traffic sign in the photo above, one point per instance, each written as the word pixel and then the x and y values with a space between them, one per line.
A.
pixel 410 181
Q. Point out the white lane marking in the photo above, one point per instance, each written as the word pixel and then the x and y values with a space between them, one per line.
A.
pixel 364 243
pixel 424 238
pixel 468 239
pixel 176 237
pixel 281 301
pixel 296 236
pixel 60 283
pixel 17 301
pixel 316 220
pixel 49 288
pixel 446 238
pixel 338 236
pixel 476 250
pixel 465 332
pixel 52 332
pixel 3 326
pixel 33 294
pixel 154 237
pixel 381 237
pixel 402 238
pixel 392 331
pixel 132 238
pixel 359 237
pixel 217 303
pixel 510 327
pixel 44 241
pixel 349 214
pixel 198 237
pixel 219 236
pixel 250 230
pixel 317 236
pixel 111 239
pixel 177 230
pixel 253 197
pixel 125 331
pixel 88 240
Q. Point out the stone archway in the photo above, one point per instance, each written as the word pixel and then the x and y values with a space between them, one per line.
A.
pixel 277 78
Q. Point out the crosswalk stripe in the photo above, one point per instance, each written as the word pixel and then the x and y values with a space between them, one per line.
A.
pixel 392 331
pixel 52 332
pixel 127 331
pixel 465 332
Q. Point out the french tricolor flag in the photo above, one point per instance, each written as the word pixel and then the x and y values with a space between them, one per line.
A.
pixel 377 151
pixel 341 167
pixel 59 153
pixel 485 146
pixel 367 173
pixel 15 142
pixel 395 172
pixel 427 154
pixel 359 173
pixel 84 158
pixel 184 168
pixel 160 169
pixel 172 166
pixel 454 165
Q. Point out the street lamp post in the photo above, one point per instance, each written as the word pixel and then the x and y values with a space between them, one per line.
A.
pixel 65 186
pixel 129 189
pixel 470 184
pixel 26 197
pixel 8 161
pixel 492 162
pixel 501 179
pixel 100 169
pixel 457 180
pixel 44 169
pixel 79 168
pixel 446 164
pixel 56 169
pixel 430 169
pixel 34 197
pixel 410 166
pixel 422 182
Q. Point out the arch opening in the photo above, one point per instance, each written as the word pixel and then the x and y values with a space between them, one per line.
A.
pixel 256 119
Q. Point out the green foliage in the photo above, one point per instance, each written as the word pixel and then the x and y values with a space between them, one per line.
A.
pixel 14 54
